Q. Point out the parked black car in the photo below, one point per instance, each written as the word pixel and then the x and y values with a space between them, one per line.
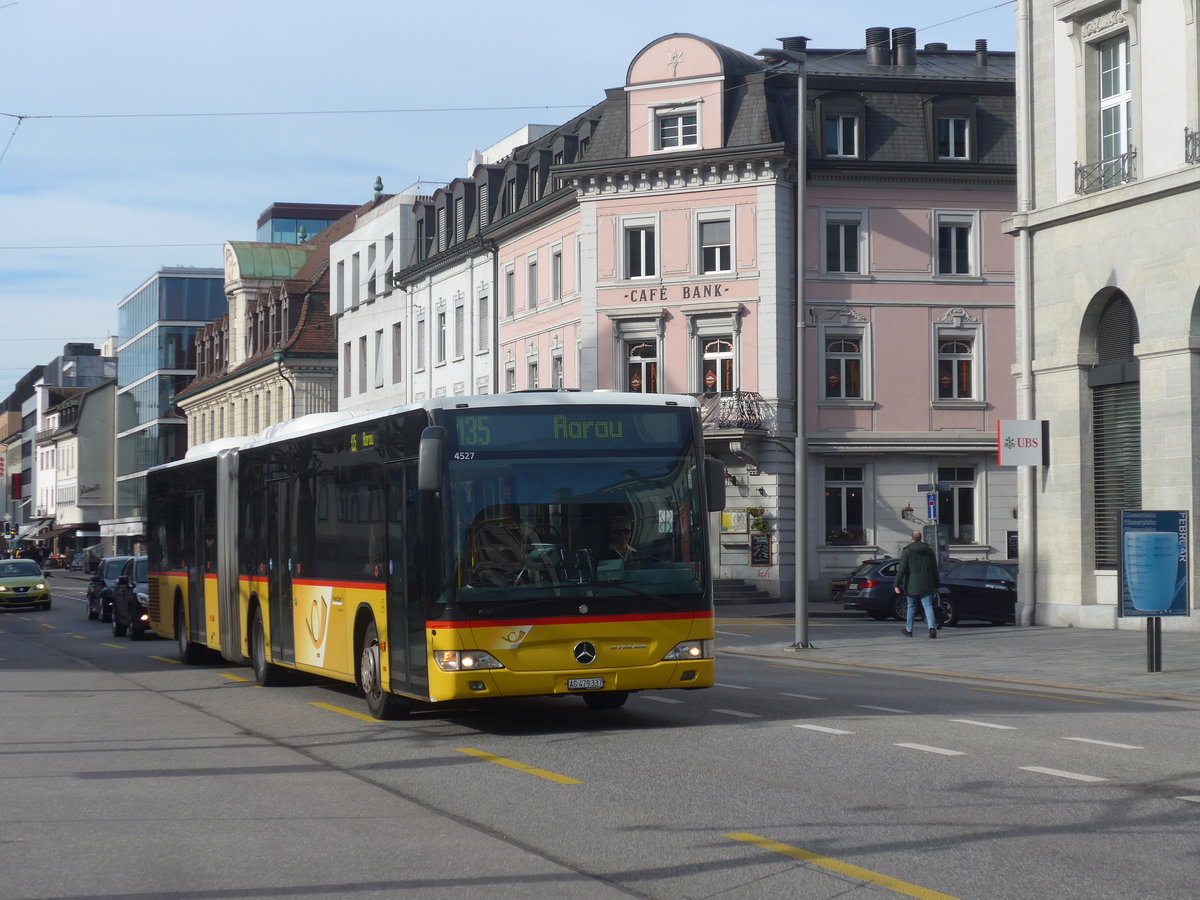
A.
pixel 100 587
pixel 130 609
pixel 980 590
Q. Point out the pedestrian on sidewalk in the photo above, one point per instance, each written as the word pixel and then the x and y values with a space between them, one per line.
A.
pixel 918 579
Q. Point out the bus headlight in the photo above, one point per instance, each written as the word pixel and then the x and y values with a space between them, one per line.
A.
pixel 691 650
pixel 465 660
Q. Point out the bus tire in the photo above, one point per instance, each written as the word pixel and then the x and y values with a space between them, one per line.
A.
pixel 380 703
pixel 606 700
pixel 190 654
pixel 266 674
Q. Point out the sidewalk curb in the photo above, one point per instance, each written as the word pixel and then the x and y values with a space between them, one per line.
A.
pixel 973 676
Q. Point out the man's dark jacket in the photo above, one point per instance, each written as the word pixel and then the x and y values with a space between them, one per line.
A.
pixel 917 574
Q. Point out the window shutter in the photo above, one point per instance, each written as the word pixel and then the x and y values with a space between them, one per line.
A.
pixel 1117 454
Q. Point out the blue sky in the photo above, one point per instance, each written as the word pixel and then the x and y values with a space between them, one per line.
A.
pixel 102 181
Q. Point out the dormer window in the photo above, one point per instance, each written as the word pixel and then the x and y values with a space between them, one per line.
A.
pixel 676 128
pixel 951 129
pixel 840 117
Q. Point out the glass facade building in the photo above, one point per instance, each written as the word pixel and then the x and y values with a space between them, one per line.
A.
pixel 280 223
pixel 158 323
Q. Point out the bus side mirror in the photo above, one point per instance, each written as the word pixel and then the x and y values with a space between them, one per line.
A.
pixel 714 475
pixel 430 456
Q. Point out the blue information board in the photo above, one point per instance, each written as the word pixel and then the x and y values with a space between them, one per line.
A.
pixel 1154 563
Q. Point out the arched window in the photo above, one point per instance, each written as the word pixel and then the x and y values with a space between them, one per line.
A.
pixel 1116 427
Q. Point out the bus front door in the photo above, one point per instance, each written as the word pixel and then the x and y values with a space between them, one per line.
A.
pixel 407 564
pixel 279 561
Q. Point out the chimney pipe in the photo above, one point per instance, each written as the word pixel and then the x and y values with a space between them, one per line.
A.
pixel 879 48
pixel 981 53
pixel 904 46
pixel 794 44
pixel 936 48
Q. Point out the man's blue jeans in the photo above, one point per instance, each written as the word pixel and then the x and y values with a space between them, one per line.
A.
pixel 927 602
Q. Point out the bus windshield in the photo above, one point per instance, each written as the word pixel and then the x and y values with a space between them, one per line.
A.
pixel 575 503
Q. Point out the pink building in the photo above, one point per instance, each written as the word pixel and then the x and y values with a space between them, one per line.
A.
pixel 650 245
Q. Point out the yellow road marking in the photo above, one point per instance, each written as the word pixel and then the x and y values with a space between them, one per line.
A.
pixel 347 712
pixel 48 625
pixel 1043 696
pixel 114 646
pixel 233 677
pixel 818 671
pixel 833 865
pixel 520 767
pixel 165 659
pixel 78 637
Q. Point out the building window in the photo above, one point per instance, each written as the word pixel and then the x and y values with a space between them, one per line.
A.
pixel 371 252
pixel 510 196
pixel 397 353
pixel 676 129
pixel 1116 107
pixel 482 315
pixel 716 365
pixel 440 338
pixel 347 369
pixel 362 364
pixel 843 366
pixel 716 253
pixel 556 274
pixel 843 236
pixel 379 358
pixel 952 140
pixel 460 219
pixel 420 344
pixel 510 378
pixel 956 504
pixel 355 280
pixel 844 505
pixel 955 367
pixel 556 372
pixel 640 252
pixel 510 292
pixel 841 136
pixel 953 246
pixel 340 285
pixel 531 283
pixel 535 187
pixel 641 367
pixel 531 376
pixel 460 330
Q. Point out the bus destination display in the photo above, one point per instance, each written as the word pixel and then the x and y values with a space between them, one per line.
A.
pixel 583 429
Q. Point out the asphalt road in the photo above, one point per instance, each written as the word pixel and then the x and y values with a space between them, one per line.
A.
pixel 129 775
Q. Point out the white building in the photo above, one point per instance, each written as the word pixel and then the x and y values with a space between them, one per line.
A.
pixel 1106 232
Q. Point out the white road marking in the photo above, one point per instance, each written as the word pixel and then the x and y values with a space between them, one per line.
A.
pixel 737 712
pixel 658 699
pixel 800 696
pixel 736 687
pixel 823 729
pixel 925 748
pixel 1104 743
pixel 1189 799
pixel 883 708
pixel 733 633
pixel 1059 773
pixel 985 724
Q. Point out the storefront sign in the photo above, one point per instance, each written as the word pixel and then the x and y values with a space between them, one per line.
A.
pixel 1023 442
pixel 1154 562
pixel 671 293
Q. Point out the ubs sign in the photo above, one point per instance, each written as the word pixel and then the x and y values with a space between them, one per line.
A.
pixel 1023 442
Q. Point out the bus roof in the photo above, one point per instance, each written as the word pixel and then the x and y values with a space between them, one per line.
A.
pixel 318 422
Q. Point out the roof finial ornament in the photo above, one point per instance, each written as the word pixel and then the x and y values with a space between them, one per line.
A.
pixel 302 235
pixel 378 187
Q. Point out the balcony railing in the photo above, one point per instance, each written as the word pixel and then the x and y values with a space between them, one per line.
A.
pixel 1191 145
pixel 1106 173
pixel 732 409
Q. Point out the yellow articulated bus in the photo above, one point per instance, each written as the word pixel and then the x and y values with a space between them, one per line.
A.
pixel 524 544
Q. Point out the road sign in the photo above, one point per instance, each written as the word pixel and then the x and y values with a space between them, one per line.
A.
pixel 931 505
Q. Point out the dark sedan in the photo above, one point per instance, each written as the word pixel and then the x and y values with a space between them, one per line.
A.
pixel 130 608
pixel 100 587
pixel 980 590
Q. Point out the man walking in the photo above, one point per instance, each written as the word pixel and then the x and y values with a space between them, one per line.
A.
pixel 917 578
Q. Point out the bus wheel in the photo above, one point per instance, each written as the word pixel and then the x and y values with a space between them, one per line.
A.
pixel 266 674
pixel 606 700
pixel 380 703
pixel 189 654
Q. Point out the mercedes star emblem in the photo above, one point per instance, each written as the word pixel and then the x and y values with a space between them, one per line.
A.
pixel 585 653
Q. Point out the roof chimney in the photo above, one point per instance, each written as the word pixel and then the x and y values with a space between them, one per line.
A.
pixel 981 54
pixel 936 48
pixel 904 46
pixel 794 44
pixel 879 48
